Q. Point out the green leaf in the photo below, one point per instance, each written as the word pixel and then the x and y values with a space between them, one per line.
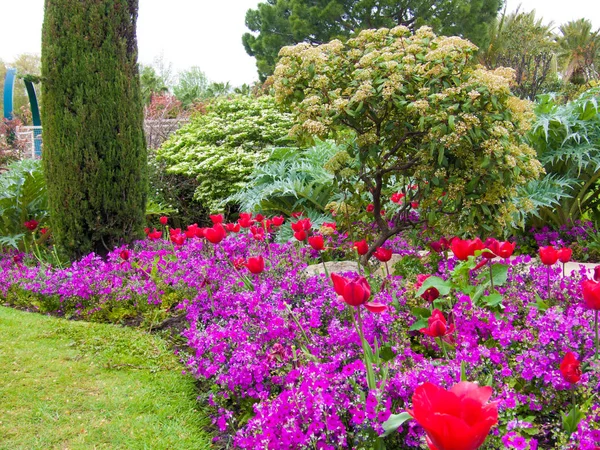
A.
pixel 386 353
pixel 394 422
pixel 463 371
pixel 443 286
pixel 421 323
pixel 421 313
pixel 492 300
pixel 571 421
pixel 541 305
pixel 499 274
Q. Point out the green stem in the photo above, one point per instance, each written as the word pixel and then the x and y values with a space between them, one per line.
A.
pixel 491 275
pixel 443 345
pixel 597 340
pixel 387 269
pixel 293 316
pixel 548 275
pixel 325 267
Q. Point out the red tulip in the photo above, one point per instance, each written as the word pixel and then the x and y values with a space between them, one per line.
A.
pixel 259 217
pixel 256 264
pixel 200 232
pixel 190 233
pixel 492 245
pixel 246 220
pixel 295 215
pixel 376 307
pixel 124 254
pixel 31 225
pixel 597 273
pixel 458 419
pixel 339 283
pixel 302 225
pixel 414 205
pixel 216 218
pixel 362 247
pixel 506 249
pixel 178 239
pixel 44 230
pixel 591 294
pixel 496 248
pixel 370 207
pixel 383 254
pixel 440 245
pixel 215 234
pixel 357 292
pixel 548 255
pixel 564 255
pixel 437 325
pixel 163 220
pixel 397 197
pixel 258 233
pixel 316 242
pixel 300 235
pixel 154 235
pixel 462 249
pixel 331 225
pixel 146 231
pixel 570 368
pixel 278 221
pixel 233 227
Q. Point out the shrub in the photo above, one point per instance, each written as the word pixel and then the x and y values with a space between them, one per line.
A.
pixel 291 180
pixel 94 150
pixel 221 147
pixel 427 121
pixel 567 140
pixel 23 197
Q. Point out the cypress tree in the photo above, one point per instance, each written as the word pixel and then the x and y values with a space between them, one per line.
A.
pixel 94 152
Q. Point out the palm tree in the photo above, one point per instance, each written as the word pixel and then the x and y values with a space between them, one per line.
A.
pixel 522 41
pixel 579 51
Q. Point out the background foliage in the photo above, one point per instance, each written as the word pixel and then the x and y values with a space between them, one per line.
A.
pixel 220 148
pixel 288 22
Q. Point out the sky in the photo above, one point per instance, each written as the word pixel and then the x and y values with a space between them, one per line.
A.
pixel 208 33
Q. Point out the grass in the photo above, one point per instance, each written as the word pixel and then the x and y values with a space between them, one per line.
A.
pixel 77 385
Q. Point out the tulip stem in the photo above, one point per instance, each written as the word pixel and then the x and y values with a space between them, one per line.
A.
pixel 387 269
pixel 293 316
pixel 325 267
pixel 564 264
pixel 548 275
pixel 597 340
pixel 358 260
pixel 443 345
pixel 491 276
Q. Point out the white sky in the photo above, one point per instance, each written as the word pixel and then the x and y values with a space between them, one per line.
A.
pixel 208 33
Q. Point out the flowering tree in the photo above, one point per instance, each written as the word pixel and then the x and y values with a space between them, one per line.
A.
pixel 427 122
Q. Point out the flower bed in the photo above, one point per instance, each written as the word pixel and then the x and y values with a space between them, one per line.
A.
pixel 282 364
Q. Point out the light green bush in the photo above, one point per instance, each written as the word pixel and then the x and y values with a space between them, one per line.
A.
pixel 221 148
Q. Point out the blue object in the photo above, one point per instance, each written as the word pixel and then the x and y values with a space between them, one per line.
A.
pixel 9 87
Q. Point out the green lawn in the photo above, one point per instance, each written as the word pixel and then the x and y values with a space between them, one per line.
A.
pixel 77 385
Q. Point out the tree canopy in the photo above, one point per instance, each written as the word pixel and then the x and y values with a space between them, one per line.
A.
pixel 428 123
pixel 278 23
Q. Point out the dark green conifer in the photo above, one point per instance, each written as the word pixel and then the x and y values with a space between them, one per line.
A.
pixel 94 152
